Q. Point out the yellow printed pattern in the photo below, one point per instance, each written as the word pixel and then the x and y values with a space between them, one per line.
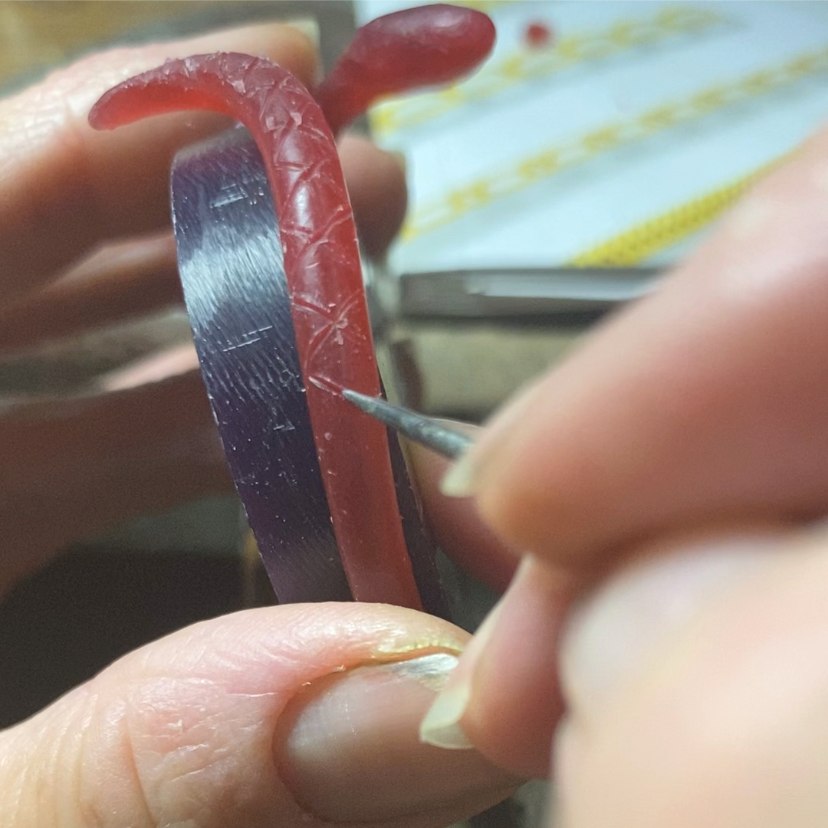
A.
pixel 641 241
pixel 531 64
pixel 549 162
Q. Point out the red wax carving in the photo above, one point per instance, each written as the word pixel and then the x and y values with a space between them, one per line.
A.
pixel 400 51
pixel 538 35
pixel 322 267
pixel 422 46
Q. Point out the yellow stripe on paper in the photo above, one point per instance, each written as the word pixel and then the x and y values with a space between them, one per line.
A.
pixel 530 64
pixel 642 241
pixel 507 181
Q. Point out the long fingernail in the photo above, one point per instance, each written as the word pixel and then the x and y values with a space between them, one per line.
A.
pixel 616 632
pixel 353 753
pixel 465 477
pixel 462 478
pixel 442 726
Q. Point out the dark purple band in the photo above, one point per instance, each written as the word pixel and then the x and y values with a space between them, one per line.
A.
pixel 230 262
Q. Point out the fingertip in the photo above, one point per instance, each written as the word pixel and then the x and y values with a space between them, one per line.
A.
pixel 377 188
pixel 711 713
pixel 656 593
pixel 700 401
pixel 75 186
pixel 299 714
pixel 516 682
pixel 504 698
pixel 457 526
pixel 364 718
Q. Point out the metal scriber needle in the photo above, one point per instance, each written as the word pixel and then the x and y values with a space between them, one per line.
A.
pixel 427 431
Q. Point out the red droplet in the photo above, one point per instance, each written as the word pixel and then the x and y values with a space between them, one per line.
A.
pixel 538 34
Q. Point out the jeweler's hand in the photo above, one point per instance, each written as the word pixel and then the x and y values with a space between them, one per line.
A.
pixel 300 715
pixel 84 241
pixel 666 475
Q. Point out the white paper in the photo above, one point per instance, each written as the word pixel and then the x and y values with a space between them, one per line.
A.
pixel 554 218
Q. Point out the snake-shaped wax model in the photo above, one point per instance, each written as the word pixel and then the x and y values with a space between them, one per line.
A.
pixel 330 342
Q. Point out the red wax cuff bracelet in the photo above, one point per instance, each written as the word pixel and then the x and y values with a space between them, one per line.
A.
pixel 278 336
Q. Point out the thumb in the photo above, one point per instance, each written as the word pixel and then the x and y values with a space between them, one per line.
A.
pixel 295 715
pixel 697 689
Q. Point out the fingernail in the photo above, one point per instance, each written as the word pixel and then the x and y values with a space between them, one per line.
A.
pixel 614 634
pixel 353 753
pixel 465 477
pixel 308 26
pixel 461 478
pixel 442 725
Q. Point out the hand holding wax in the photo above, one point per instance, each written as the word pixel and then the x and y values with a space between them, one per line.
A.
pixel 222 723
pixel 322 265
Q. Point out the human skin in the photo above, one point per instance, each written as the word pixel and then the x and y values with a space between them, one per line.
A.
pixel 666 481
pixel 64 212
pixel 249 719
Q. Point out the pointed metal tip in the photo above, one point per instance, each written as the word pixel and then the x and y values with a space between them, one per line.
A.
pixel 417 427
pixel 370 405
pixel 355 397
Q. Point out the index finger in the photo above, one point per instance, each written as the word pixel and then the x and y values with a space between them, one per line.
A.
pixel 705 402
pixel 64 186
